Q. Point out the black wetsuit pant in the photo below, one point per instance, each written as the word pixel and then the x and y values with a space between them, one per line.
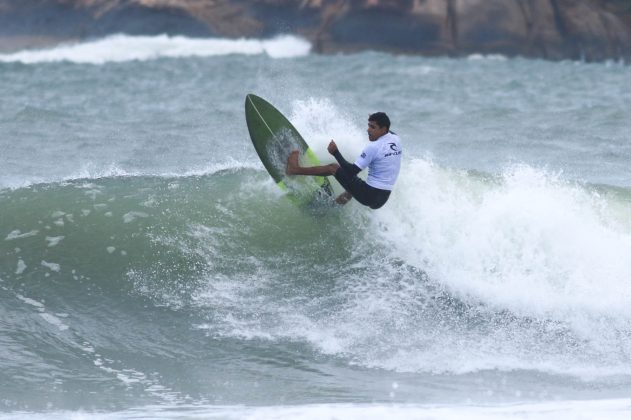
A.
pixel 369 196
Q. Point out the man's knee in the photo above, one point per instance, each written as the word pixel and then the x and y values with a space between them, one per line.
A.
pixel 333 167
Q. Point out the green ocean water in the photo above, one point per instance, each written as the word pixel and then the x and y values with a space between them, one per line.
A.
pixel 150 267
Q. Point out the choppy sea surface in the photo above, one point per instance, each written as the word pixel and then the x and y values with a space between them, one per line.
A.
pixel 150 267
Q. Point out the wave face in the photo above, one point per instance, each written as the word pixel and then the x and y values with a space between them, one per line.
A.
pixel 122 48
pixel 116 279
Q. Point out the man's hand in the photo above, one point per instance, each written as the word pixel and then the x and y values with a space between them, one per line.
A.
pixel 332 148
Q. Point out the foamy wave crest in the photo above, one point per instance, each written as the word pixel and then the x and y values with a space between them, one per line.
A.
pixel 121 48
pixel 319 120
pixel 540 263
pixel 495 57
pixel 528 241
pixel 92 171
pixel 611 409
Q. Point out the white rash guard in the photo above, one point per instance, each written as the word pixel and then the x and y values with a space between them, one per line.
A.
pixel 383 159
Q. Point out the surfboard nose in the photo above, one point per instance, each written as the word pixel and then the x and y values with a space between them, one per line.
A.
pixel 251 99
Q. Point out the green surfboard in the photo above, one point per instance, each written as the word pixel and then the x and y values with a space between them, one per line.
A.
pixel 274 137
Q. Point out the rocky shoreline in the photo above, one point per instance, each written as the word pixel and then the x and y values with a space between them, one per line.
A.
pixel 591 30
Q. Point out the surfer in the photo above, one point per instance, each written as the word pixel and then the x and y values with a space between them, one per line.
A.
pixel 382 156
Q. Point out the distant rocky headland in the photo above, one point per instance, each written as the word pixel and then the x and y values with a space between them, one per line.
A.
pixel 590 30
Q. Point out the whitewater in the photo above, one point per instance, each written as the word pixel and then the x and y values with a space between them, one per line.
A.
pixel 151 268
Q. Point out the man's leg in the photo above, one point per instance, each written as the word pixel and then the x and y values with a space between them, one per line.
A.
pixel 294 168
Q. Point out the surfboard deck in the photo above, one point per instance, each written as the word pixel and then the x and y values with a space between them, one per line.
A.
pixel 274 137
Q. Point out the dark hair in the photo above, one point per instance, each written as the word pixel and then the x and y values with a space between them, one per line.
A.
pixel 381 119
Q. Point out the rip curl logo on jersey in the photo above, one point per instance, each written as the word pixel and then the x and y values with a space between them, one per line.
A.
pixel 395 150
pixel 363 155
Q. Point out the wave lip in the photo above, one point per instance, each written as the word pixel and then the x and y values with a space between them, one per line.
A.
pixel 92 171
pixel 122 48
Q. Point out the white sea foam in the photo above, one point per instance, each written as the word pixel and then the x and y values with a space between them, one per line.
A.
pixel 31 302
pixel 531 243
pixel 496 57
pixel 41 308
pixel 51 266
pixel 54 240
pixel 320 121
pixel 52 319
pixel 584 410
pixel 17 234
pixel 122 48
pixel 528 243
pixel 133 215
pixel 610 409
pixel 93 171
pixel 21 267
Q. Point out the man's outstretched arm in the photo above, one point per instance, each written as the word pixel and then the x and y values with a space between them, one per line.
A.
pixel 348 167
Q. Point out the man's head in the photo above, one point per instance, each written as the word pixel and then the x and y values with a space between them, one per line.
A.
pixel 378 125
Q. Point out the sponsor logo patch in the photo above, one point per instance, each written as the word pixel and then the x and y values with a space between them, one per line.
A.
pixel 395 150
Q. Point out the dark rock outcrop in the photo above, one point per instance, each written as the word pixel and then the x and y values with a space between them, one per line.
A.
pixel 554 29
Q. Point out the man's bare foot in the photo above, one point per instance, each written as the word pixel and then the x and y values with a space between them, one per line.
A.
pixel 343 198
pixel 292 163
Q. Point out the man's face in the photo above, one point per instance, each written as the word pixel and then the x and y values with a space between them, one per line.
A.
pixel 374 131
